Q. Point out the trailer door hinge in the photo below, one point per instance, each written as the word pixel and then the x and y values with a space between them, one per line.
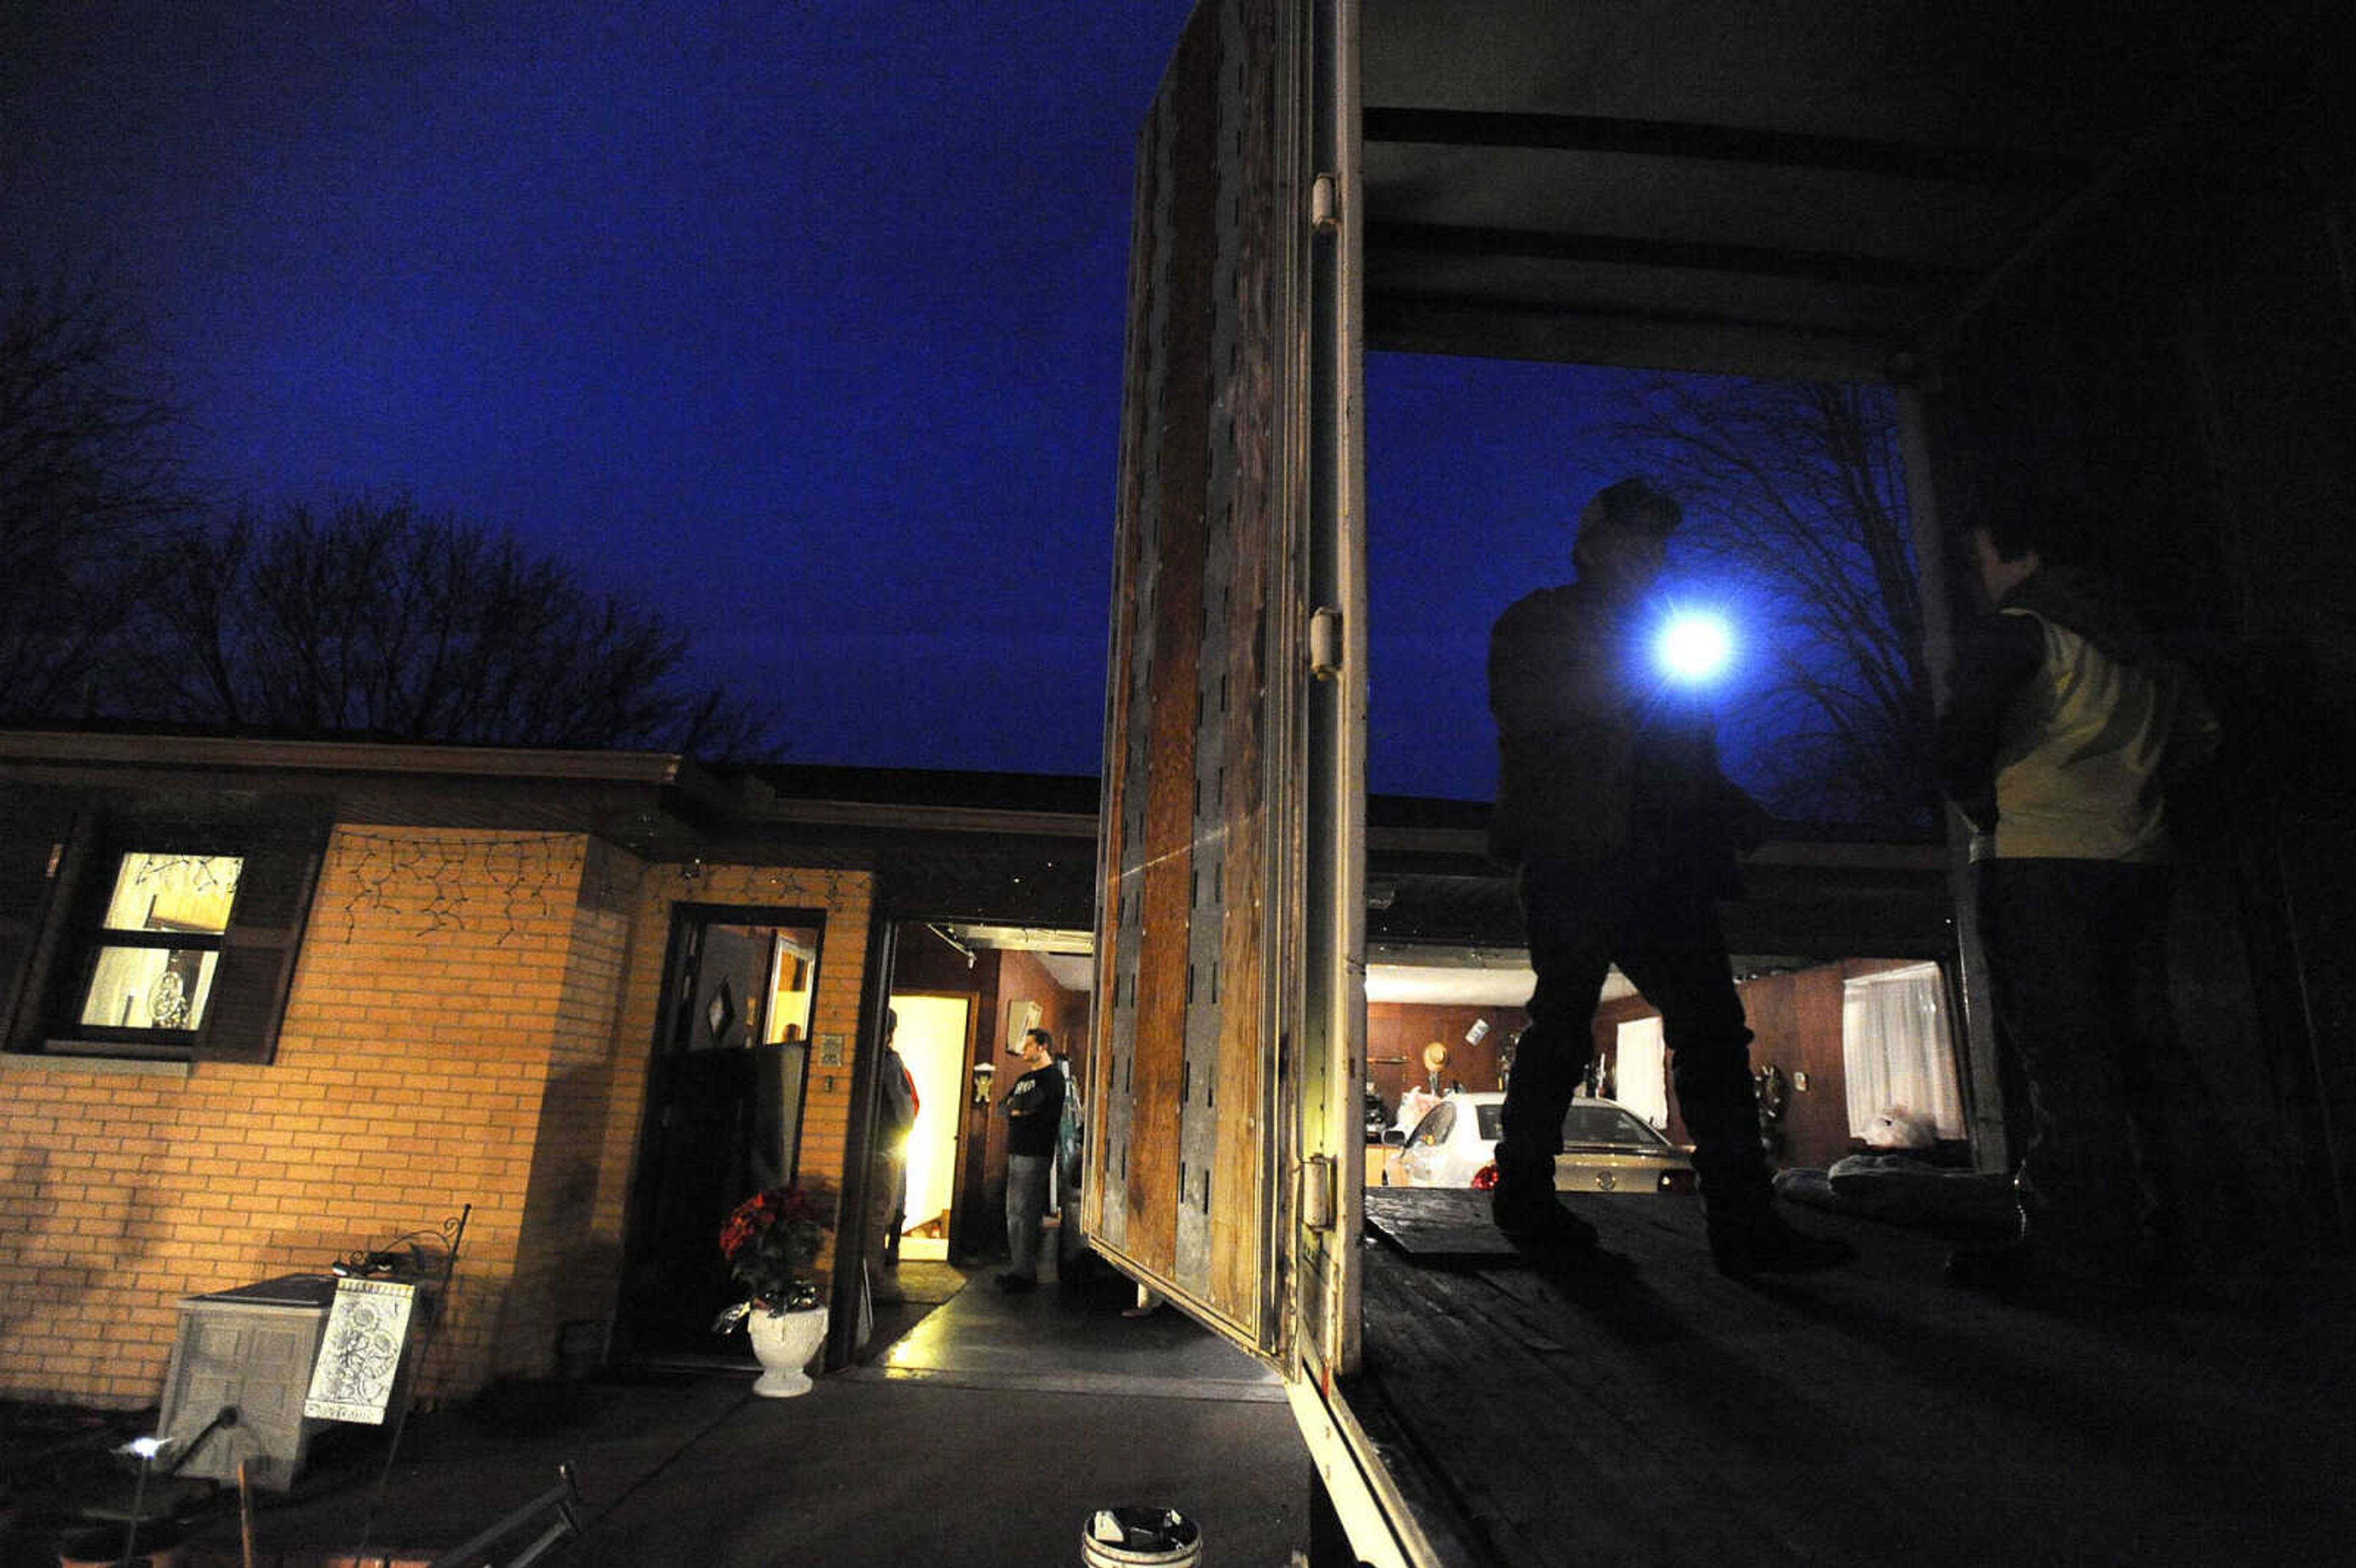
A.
pixel 1325 205
pixel 1326 643
pixel 1317 1192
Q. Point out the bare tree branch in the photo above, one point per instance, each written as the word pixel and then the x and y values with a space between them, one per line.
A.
pixel 90 471
pixel 375 619
pixel 1795 490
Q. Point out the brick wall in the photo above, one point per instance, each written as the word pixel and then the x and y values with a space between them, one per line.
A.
pixel 565 1270
pixel 470 1023
pixel 436 979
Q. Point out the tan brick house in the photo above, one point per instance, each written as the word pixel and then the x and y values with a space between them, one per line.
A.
pixel 267 1003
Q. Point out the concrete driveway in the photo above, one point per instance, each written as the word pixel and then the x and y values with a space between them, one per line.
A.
pixel 986 1434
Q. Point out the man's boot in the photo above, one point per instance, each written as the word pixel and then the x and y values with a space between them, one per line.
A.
pixel 1722 1110
pixel 1752 1239
pixel 1526 1209
pixel 1746 1236
pixel 2047 1260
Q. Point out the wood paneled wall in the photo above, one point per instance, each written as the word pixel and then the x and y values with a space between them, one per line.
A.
pixel 1397 1033
pixel 996 978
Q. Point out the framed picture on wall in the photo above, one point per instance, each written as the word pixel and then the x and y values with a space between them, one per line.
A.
pixel 1022 1018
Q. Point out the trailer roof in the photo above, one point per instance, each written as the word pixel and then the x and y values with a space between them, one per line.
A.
pixel 1775 188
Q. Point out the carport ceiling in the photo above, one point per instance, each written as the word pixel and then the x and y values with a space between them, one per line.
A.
pixel 1815 188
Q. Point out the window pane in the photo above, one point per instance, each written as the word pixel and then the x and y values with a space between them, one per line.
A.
pixel 1436 1127
pixel 1593 1123
pixel 174 892
pixel 1640 1076
pixel 1895 1053
pixel 149 987
pixel 793 983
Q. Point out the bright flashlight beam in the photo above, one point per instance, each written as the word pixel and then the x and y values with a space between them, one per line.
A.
pixel 1695 648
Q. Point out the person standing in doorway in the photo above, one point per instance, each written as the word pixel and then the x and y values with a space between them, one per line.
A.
pixel 2064 725
pixel 1034 1117
pixel 887 1179
pixel 1610 804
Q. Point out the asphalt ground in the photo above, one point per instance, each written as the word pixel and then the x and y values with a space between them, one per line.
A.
pixel 983 1428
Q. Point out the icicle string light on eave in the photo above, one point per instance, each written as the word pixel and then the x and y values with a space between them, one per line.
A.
pixel 459 882
pixel 452 882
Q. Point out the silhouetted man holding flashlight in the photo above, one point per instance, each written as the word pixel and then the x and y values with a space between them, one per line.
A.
pixel 1611 803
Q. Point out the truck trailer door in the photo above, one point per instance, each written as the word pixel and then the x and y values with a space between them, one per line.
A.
pixel 1222 1162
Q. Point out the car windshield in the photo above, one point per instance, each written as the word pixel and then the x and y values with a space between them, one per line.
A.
pixel 1606 1125
pixel 1585 1123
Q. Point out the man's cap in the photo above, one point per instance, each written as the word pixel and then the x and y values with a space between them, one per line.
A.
pixel 1631 505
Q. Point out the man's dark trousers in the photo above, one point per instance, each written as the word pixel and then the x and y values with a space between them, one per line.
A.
pixel 2078 962
pixel 1658 920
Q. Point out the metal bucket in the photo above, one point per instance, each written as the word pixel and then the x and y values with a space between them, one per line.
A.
pixel 1136 1537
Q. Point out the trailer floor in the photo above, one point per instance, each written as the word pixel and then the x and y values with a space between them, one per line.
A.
pixel 1870 1415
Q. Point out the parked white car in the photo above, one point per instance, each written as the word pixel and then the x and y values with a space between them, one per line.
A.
pixel 1606 1148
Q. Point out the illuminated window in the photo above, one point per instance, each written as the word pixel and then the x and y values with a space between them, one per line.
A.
pixel 154 931
pixel 159 943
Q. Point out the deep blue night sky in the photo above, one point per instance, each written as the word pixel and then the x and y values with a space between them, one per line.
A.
pixel 799 324
pixel 1475 470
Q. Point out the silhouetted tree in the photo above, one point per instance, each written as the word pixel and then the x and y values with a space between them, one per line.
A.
pixel 373 619
pixel 89 473
pixel 1794 490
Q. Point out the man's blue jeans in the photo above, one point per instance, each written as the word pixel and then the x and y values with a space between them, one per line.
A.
pixel 1026 1208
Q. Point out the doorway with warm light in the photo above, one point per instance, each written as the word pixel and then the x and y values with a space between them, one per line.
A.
pixel 936 1040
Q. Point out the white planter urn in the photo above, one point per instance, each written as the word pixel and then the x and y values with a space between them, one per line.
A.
pixel 785 1343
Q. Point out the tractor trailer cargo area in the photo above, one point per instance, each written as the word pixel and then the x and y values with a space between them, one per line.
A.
pixel 2104 253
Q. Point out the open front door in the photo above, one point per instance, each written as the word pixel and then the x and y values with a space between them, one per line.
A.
pixel 1223 1164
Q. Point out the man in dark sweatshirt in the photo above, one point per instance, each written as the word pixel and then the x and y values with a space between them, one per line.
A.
pixel 1034 1115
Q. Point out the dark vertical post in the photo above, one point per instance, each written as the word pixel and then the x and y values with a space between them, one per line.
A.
pixel 859 1138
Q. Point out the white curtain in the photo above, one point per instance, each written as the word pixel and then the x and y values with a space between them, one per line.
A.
pixel 1640 1078
pixel 1895 1049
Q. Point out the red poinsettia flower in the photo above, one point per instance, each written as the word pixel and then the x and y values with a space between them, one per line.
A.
pixel 771 1241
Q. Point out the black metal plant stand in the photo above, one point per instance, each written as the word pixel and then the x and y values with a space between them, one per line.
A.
pixel 451 1236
